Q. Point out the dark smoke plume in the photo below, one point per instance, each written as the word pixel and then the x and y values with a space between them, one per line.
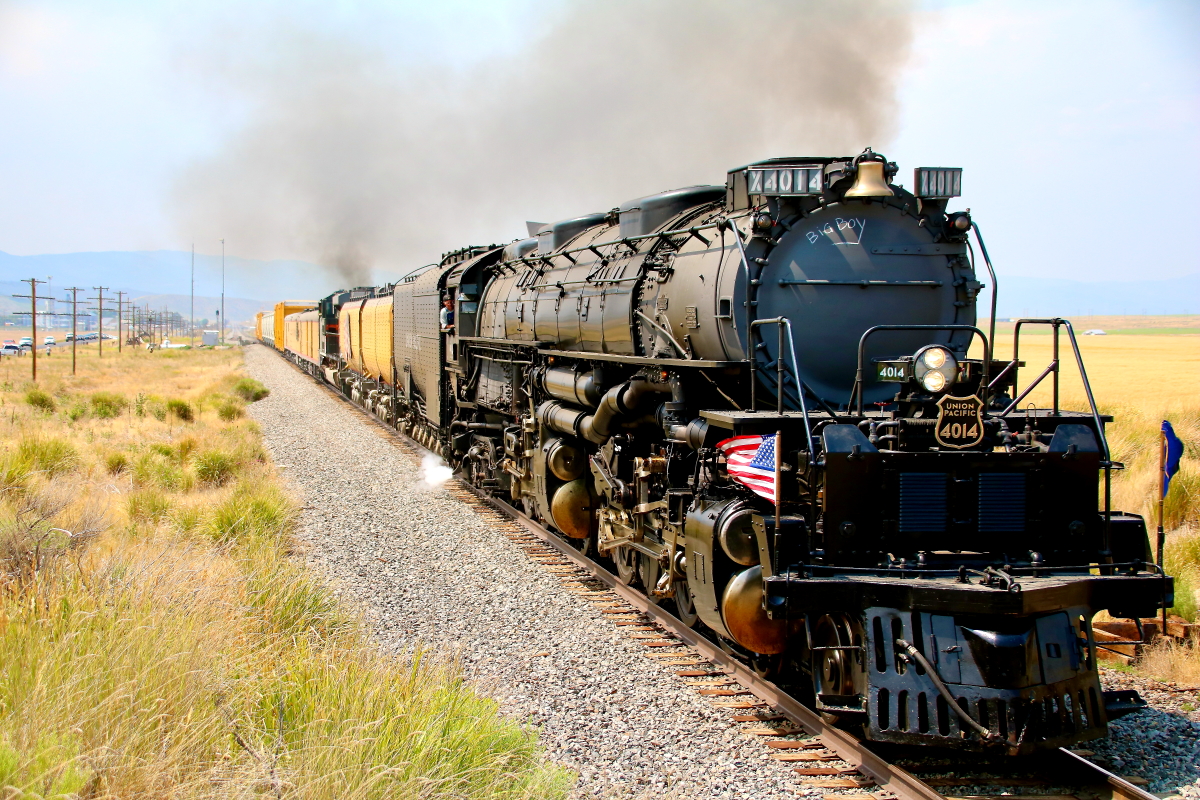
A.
pixel 374 169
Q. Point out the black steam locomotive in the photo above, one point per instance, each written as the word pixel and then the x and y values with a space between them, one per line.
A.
pixel 757 401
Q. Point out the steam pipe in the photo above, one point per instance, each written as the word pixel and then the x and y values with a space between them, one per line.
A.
pixel 617 401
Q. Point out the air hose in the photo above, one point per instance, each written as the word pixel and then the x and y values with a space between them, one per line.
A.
pixel 915 654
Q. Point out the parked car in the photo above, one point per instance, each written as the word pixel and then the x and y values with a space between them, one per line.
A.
pixel 49 340
pixel 10 349
pixel 70 337
pixel 27 341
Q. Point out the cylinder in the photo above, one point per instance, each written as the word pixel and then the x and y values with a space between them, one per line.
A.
pixel 742 611
pixel 735 532
pixel 565 462
pixel 558 417
pixel 580 388
pixel 571 509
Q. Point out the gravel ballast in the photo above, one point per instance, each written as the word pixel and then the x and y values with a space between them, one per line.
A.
pixel 427 571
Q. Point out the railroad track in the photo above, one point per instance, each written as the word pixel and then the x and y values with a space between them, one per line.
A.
pixel 827 758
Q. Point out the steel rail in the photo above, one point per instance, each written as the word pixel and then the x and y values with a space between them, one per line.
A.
pixel 851 750
pixel 904 785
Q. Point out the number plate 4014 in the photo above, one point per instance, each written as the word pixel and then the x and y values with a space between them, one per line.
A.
pixel 959 422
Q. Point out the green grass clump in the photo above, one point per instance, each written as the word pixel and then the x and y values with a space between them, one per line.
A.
pixel 115 463
pixel 48 767
pixel 252 514
pixel 41 400
pixel 155 469
pixel 230 411
pixel 250 390
pixel 215 467
pixel 148 505
pixel 48 455
pixel 181 410
pixel 76 412
pixel 1182 557
pixel 107 405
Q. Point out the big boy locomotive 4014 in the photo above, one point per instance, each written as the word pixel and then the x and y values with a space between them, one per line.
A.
pixel 761 402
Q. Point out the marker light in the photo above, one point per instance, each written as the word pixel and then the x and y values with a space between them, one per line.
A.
pixel 933 381
pixel 934 357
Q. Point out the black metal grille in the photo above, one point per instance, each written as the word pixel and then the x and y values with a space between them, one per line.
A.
pixel 922 502
pixel 1001 502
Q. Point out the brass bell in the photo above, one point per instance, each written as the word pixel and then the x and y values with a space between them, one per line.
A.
pixel 870 181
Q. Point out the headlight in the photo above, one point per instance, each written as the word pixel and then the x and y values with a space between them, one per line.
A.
pixel 934 381
pixel 935 368
pixel 934 358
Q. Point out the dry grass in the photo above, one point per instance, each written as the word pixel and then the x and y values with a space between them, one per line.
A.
pixel 156 640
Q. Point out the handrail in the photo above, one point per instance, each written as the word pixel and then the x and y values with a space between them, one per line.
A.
pixel 991 273
pixel 862 342
pixel 780 323
pixel 628 241
pixel 1107 463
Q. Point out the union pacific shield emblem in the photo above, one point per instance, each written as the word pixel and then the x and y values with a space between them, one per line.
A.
pixel 959 422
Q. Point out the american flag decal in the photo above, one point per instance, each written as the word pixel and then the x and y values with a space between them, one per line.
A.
pixel 750 461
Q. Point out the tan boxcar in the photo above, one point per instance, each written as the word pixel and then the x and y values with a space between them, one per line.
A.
pixel 377 339
pixel 268 328
pixel 301 335
pixel 281 311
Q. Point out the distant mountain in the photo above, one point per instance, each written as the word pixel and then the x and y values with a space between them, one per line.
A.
pixel 163 277
pixel 237 309
pixel 1022 296
pixel 168 272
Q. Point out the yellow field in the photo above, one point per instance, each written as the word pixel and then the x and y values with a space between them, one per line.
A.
pixel 1154 374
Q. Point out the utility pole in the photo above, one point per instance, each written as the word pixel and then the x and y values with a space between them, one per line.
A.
pixel 192 312
pixel 120 335
pixel 74 290
pixel 32 297
pixel 100 315
pixel 222 291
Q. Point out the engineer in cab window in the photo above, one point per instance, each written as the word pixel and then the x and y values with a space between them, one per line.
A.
pixel 447 314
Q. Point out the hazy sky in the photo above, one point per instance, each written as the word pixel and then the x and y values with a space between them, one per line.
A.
pixel 1077 123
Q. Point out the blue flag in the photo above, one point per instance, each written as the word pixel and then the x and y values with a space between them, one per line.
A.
pixel 1174 453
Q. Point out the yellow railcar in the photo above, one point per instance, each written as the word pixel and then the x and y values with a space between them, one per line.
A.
pixel 258 322
pixel 301 335
pixel 350 335
pixel 377 339
pixel 281 312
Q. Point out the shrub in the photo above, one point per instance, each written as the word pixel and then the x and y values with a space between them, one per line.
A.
pixel 187 518
pixel 153 469
pixel 107 405
pixel 41 400
pixel 148 505
pixel 157 410
pixel 250 390
pixel 229 411
pixel 139 405
pixel 184 448
pixel 116 463
pixel 181 409
pixel 77 412
pixel 261 513
pixel 51 456
pixel 215 467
